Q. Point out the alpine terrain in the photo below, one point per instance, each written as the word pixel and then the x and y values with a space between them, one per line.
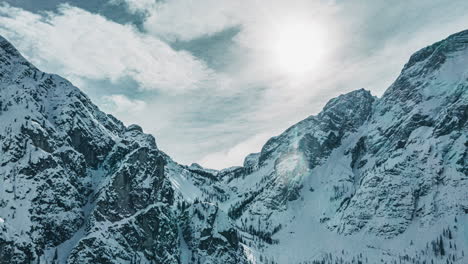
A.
pixel 367 180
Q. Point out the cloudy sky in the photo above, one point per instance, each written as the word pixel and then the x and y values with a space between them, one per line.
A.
pixel 212 80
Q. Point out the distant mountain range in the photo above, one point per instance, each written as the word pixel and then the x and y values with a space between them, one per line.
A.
pixel 367 180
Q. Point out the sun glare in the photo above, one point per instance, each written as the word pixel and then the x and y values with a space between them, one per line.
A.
pixel 297 47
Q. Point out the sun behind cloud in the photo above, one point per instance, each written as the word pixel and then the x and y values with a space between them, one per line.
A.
pixel 297 46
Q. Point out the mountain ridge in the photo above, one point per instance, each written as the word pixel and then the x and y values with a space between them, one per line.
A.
pixel 371 170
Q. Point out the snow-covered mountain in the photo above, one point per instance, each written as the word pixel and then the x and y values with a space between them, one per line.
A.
pixel 367 180
pixel 78 186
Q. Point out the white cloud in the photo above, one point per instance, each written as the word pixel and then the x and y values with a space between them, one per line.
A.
pixel 262 24
pixel 185 20
pixel 74 42
pixel 136 6
pixel 120 103
pixel 236 154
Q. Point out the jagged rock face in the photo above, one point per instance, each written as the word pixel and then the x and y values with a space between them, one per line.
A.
pixel 415 150
pixel 280 169
pixel 149 236
pixel 77 186
pixel 43 176
pixel 210 236
pixel 132 211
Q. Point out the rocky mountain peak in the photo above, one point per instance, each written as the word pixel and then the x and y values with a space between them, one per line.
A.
pixel 345 100
pixel 441 65
pixel 352 108
pixel 12 64
pixel 8 51
pixel 436 54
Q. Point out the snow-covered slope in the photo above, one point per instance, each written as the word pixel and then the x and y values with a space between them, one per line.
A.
pixel 77 185
pixel 367 180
